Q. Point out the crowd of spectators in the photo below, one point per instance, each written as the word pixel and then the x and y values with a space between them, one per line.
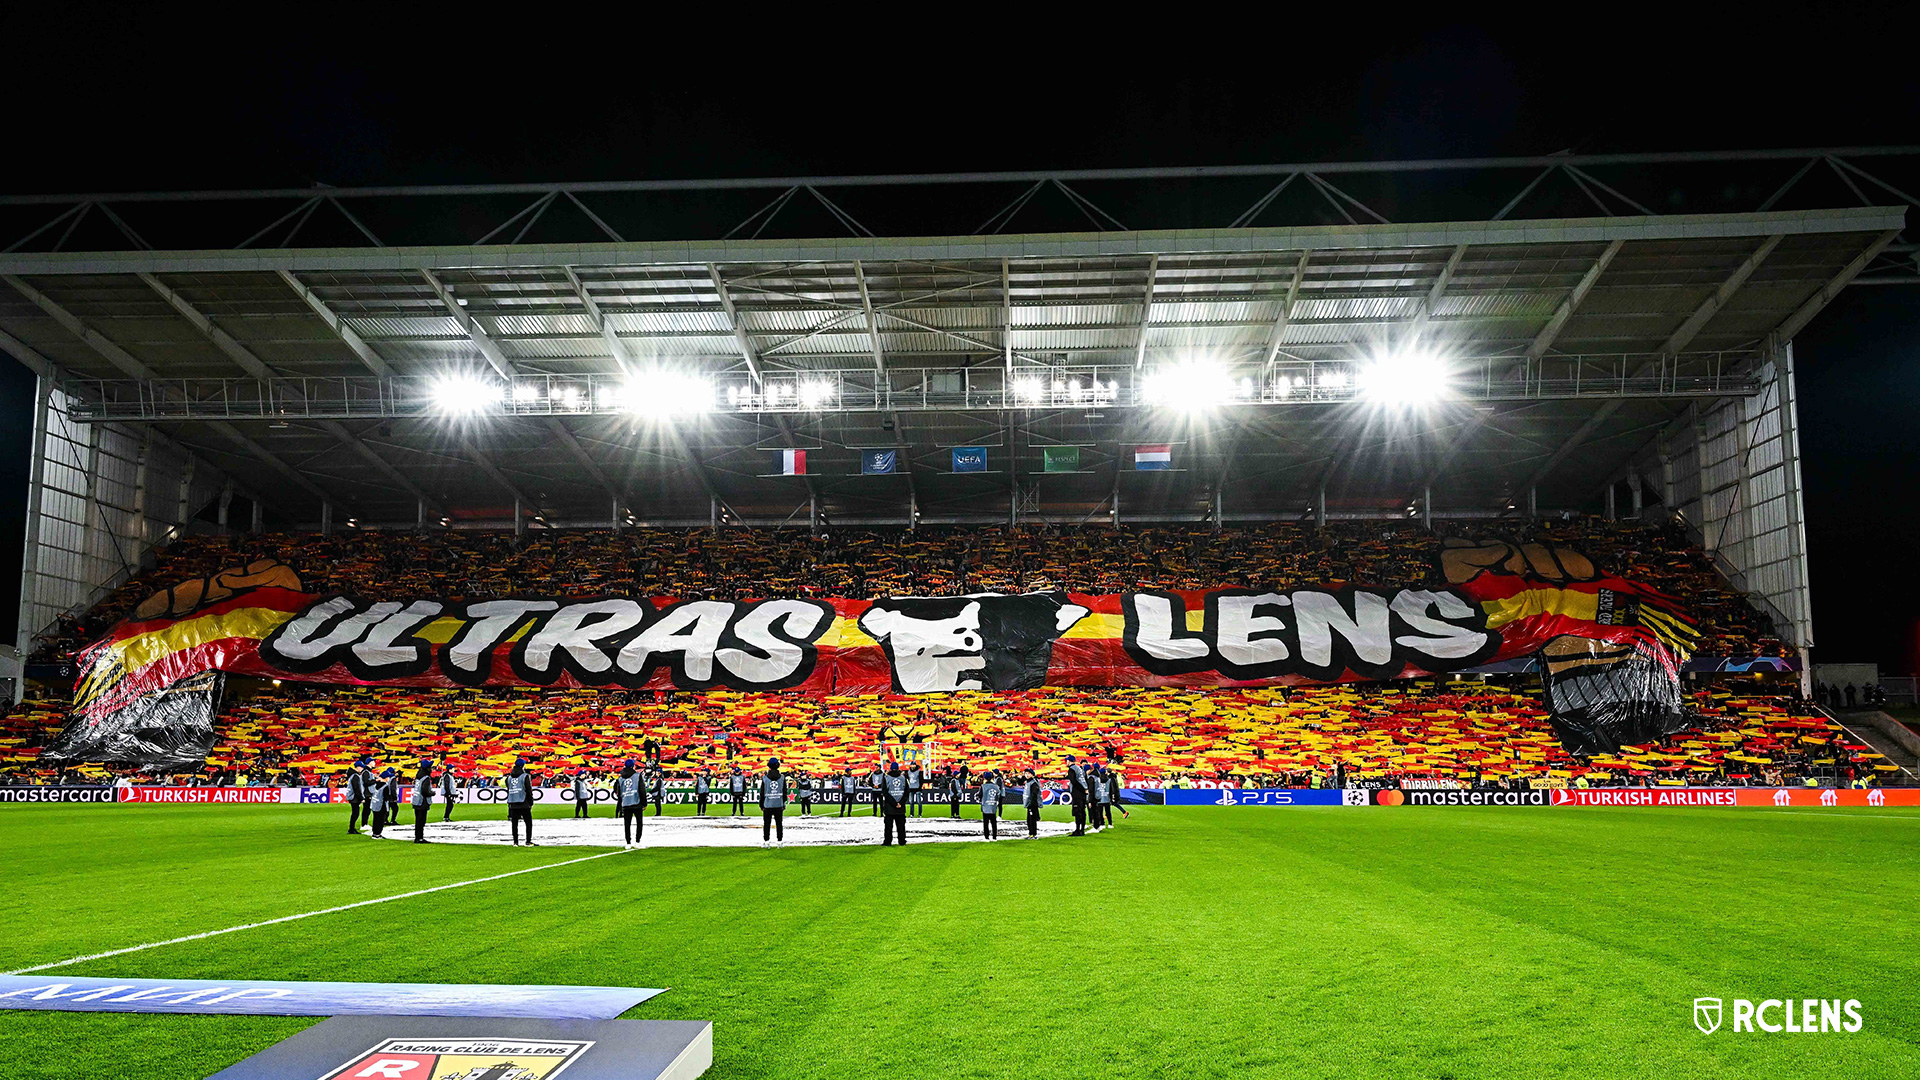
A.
pixel 1461 731
pixel 866 563
pixel 1464 732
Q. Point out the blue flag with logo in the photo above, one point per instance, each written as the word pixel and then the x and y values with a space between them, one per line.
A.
pixel 969 459
pixel 877 462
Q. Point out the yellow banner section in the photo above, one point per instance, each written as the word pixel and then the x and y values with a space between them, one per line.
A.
pixel 140 650
pixel 1568 602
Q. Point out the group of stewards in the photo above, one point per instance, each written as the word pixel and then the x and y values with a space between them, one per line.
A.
pixel 1093 790
pixel 374 801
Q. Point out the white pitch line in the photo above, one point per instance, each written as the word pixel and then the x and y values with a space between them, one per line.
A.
pixel 306 914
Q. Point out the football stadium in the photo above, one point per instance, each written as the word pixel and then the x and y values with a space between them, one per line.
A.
pixel 1357 637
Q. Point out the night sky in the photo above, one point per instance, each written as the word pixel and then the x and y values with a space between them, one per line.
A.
pixel 104 100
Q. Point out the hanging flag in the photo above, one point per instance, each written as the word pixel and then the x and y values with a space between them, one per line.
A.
pixel 1060 459
pixel 1153 457
pixel 792 462
pixel 969 459
pixel 877 462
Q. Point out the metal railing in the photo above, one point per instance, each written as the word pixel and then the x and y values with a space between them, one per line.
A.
pixel 859 390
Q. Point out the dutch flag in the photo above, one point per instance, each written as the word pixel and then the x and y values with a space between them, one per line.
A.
pixel 1153 457
pixel 792 462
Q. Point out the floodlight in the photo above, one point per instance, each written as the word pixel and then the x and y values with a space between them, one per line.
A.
pixel 465 395
pixel 815 393
pixel 666 393
pixel 1405 377
pixel 1193 385
pixel 525 393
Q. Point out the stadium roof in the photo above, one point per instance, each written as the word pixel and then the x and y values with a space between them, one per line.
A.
pixel 317 374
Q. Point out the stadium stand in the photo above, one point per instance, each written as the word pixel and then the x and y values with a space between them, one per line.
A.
pixel 1465 731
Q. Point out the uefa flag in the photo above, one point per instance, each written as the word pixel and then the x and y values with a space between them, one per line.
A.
pixel 877 462
pixel 1153 457
pixel 969 459
pixel 792 462
pixel 1060 459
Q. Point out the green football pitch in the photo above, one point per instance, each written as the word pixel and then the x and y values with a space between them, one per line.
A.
pixel 1189 942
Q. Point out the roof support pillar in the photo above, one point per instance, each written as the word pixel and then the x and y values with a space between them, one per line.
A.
pixel 185 511
pixel 1286 308
pixel 30 553
pixel 1543 340
pixel 341 330
pixel 1146 314
pixel 1006 319
pixel 1678 340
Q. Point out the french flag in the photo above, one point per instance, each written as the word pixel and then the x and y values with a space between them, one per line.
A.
pixel 1153 457
pixel 792 462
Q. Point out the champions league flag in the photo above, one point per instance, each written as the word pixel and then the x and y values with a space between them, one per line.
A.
pixel 792 462
pixel 877 462
pixel 1153 457
pixel 969 459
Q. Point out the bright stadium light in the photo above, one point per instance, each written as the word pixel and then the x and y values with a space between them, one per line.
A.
pixel 1404 378
pixel 525 393
pixel 1193 385
pixel 465 395
pixel 662 394
pixel 815 393
pixel 1028 388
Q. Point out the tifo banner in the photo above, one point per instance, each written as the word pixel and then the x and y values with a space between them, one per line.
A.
pixel 1610 649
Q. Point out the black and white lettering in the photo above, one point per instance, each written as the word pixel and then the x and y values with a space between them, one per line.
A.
pixel 573 635
pixel 1319 634
pixel 983 642
pixel 774 643
pixel 468 658
pixel 373 641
